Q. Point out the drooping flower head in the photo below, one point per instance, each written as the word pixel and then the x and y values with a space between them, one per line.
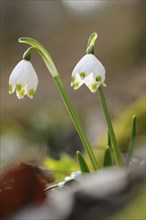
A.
pixel 23 80
pixel 89 70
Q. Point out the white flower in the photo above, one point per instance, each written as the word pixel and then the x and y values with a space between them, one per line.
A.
pixel 23 79
pixel 88 71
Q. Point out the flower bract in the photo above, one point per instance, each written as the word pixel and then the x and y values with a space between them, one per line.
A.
pixel 89 71
pixel 23 80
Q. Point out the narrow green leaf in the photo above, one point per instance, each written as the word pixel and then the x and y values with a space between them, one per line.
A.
pixel 116 150
pixel 109 143
pixel 83 165
pixel 108 158
pixel 132 140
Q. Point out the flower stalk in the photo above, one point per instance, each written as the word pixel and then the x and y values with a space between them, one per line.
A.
pixel 43 52
pixel 110 128
pixel 76 121
pixel 52 69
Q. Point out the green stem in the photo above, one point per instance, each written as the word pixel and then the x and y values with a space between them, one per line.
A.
pixel 43 52
pixel 52 69
pixel 110 128
pixel 76 122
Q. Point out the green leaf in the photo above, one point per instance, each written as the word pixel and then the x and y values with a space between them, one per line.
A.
pixel 116 149
pixel 132 140
pixel 83 165
pixel 109 143
pixel 108 158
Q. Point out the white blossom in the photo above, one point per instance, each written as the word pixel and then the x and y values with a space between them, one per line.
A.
pixel 23 80
pixel 89 71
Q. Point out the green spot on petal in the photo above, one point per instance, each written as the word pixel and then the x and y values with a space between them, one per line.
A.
pixel 76 85
pixel 21 93
pixel 72 79
pixel 31 93
pixel 82 75
pixel 98 78
pixel 18 87
pixel 93 87
pixel 10 88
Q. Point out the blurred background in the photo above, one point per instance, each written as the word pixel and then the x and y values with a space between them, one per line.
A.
pixel 64 27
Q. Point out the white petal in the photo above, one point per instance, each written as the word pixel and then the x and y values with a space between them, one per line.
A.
pixel 20 94
pixel 91 83
pixel 89 63
pixel 11 89
pixel 81 65
pixel 98 68
pixel 104 84
pixel 32 78
pixel 100 81
pixel 17 75
pixel 78 82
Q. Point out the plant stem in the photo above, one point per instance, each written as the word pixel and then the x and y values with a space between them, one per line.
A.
pixel 76 122
pixel 110 128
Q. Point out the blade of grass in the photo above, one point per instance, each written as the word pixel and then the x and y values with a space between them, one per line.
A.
pixel 108 158
pixel 83 165
pixel 116 149
pixel 109 143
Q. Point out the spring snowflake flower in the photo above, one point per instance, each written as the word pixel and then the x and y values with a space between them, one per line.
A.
pixel 89 71
pixel 23 80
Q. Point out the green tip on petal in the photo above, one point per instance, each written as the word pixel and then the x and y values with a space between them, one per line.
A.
pixel 31 93
pixel 98 78
pixel 18 87
pixel 21 93
pixel 72 79
pixel 10 88
pixel 76 85
pixel 93 87
pixel 82 75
